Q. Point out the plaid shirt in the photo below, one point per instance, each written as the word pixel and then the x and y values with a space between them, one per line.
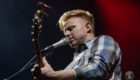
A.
pixel 101 61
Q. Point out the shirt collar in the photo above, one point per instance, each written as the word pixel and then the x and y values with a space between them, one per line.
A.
pixel 85 45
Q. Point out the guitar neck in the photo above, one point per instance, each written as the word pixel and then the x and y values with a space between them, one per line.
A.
pixel 38 52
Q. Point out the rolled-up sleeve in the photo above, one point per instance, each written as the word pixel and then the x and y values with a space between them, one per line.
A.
pixel 103 56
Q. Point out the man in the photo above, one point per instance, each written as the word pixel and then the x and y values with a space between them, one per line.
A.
pixel 95 58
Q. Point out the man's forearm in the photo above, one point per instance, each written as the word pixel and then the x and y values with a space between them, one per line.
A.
pixel 64 75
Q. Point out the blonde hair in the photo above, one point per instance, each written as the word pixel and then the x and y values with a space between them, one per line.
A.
pixel 76 13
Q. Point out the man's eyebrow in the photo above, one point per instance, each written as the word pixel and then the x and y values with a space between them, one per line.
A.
pixel 65 24
pixel 68 27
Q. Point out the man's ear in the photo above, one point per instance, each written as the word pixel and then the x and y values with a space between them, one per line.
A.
pixel 88 27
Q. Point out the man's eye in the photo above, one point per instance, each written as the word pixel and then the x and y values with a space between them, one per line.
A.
pixel 71 28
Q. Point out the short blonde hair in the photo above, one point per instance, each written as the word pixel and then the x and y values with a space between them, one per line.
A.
pixel 76 13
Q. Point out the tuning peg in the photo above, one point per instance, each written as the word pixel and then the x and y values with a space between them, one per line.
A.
pixel 33 20
pixel 33 26
pixel 40 26
pixel 32 39
pixel 32 32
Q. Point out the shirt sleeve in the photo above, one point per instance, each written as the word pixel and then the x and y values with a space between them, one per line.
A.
pixel 103 56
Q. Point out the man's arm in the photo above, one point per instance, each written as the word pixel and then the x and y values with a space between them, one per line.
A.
pixel 65 75
pixel 47 72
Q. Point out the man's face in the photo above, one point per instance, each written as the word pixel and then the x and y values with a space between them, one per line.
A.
pixel 75 30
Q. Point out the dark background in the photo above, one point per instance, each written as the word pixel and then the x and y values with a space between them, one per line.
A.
pixel 119 19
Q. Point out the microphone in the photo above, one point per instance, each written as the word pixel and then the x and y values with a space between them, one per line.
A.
pixel 62 42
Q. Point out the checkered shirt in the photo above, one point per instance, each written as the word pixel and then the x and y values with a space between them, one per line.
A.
pixel 101 60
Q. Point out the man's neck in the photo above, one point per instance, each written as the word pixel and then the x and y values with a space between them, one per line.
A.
pixel 89 36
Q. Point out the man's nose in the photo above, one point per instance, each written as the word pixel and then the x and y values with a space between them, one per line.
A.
pixel 67 33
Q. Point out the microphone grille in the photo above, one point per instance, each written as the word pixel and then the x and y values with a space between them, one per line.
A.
pixel 66 39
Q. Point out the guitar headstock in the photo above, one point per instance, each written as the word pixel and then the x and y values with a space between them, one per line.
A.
pixel 37 23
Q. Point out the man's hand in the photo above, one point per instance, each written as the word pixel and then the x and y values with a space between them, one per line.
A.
pixel 47 73
pixel 44 73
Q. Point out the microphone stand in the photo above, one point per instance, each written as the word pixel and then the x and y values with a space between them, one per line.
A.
pixel 26 67
pixel 14 75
